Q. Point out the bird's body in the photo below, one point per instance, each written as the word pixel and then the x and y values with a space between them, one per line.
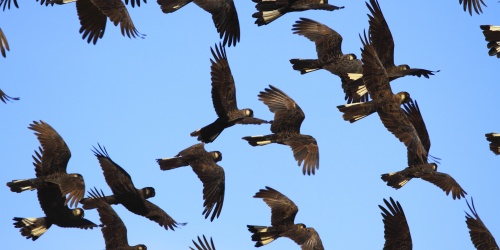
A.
pixel 288 117
pixel 270 10
pixel 223 13
pixel 283 212
pixel 211 175
pixel 125 193
pixel 224 100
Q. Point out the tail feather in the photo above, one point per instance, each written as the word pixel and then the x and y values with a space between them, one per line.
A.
pixel 209 133
pixel 171 163
pixel 259 140
pixel 19 186
pixel 262 235
pixel 305 65
pixel 172 6
pixel 31 228
pixel 395 179
pixel 266 17
pixel 356 111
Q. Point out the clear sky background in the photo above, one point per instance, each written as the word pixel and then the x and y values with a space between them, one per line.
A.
pixel 140 98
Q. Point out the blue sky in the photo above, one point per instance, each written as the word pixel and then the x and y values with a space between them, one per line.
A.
pixel 140 98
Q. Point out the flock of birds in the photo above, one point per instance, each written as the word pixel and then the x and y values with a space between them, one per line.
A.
pixel 366 84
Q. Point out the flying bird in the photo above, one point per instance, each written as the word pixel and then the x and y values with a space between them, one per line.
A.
pixel 223 13
pixel 113 229
pixel 479 233
pixel 51 163
pixel 4 97
pixel 4 46
pixel 283 212
pixel 385 102
pixel 494 139
pixel 211 175
pixel 270 10
pixel 421 168
pixel 56 211
pixel 203 244
pixel 492 36
pixel 396 231
pixel 93 15
pixel 328 47
pixel 288 117
pixel 224 100
pixel 383 43
pixel 125 193
pixel 476 4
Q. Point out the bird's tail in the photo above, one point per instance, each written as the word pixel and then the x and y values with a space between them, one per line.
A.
pixel 395 179
pixel 209 133
pixel 259 140
pixel 19 186
pixel 171 163
pixel 356 111
pixel 31 228
pixel 171 6
pixel 305 65
pixel 262 235
pixel 267 16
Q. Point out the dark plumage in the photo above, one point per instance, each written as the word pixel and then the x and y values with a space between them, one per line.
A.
pixel 113 229
pixel 224 100
pixel 385 102
pixel 396 231
pixel 420 168
pixel 492 36
pixel 6 4
pixel 479 233
pixel 283 212
pixel 328 47
pixel 4 97
pixel 211 175
pixel 125 193
pixel 494 139
pixel 476 4
pixel 56 211
pixel 203 244
pixel 93 15
pixel 223 13
pixel 4 46
pixel 50 166
pixel 288 117
pixel 270 10
pixel 383 43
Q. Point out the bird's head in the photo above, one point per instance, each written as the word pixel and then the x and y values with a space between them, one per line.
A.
pixel 403 67
pixel 248 112
pixel 434 166
pixel 405 97
pixel 216 155
pixel 301 225
pixel 78 212
pixel 140 247
pixel 149 192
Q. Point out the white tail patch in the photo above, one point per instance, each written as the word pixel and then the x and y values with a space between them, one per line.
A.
pixel 257 136
pixel 38 231
pixel 495 28
pixel 16 181
pixel 263 142
pixel 358 117
pixel 266 240
pixel 361 90
pixel 354 76
pixel 263 230
pixel 392 173
pixel 27 188
pixel 29 221
pixel 309 70
pixel 165 159
pixel 403 182
pixel 270 16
